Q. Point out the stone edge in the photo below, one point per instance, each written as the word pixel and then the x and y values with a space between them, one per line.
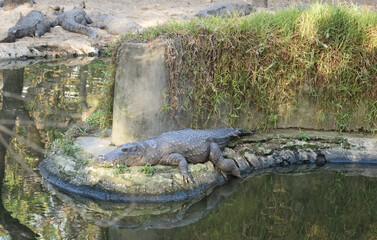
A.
pixel 106 195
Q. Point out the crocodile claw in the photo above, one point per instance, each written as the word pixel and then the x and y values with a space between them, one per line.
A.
pixel 188 179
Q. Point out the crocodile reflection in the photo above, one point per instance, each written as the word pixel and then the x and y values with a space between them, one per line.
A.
pixel 143 216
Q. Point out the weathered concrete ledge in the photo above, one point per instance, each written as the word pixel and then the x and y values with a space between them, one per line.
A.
pixel 79 174
pixel 142 94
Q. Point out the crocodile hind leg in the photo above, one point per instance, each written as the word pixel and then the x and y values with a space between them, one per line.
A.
pixel 225 164
pixel 177 159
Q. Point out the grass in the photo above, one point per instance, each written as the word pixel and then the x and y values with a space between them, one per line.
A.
pixel 98 118
pixel 120 168
pixel 147 169
pixel 223 68
pixel 65 144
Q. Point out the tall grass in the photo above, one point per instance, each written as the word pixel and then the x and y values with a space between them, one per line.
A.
pixel 227 66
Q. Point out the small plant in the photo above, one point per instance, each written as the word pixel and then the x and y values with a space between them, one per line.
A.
pixel 273 118
pixel 98 118
pixel 304 136
pixel 361 148
pixel 343 142
pixel 145 217
pixel 65 144
pixel 147 169
pixel 82 131
pixel 120 168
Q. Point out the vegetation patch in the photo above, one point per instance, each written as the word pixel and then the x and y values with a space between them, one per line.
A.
pixel 103 116
pixel 64 144
pixel 147 169
pixel 228 68
pixel 121 168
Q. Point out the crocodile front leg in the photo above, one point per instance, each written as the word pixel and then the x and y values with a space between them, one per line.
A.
pixel 225 164
pixel 177 159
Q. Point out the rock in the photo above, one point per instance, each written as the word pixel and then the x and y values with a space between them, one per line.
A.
pixel 307 156
pixel 288 156
pixel 8 20
pixel 122 25
pixel 116 25
pixel 268 161
pixel 81 175
pixel 251 158
pixel 243 165
pixel 95 145
pixel 227 8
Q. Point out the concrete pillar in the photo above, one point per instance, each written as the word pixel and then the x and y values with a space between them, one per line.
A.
pixel 140 80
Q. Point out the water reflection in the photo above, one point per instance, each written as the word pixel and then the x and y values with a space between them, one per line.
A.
pixel 144 216
pixel 37 103
pixel 12 107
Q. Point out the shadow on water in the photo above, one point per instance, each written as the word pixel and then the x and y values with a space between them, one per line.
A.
pixel 38 102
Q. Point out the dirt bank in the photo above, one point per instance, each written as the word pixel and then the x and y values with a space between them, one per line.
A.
pixel 144 13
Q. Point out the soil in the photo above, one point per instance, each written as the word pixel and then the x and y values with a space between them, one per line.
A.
pixel 146 13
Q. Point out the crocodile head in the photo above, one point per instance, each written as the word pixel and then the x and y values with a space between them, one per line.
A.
pixel 128 154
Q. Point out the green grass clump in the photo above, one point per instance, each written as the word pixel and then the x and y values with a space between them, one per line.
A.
pixel 103 116
pixel 224 67
pixel 147 169
pixel 65 144
pixel 99 118
pixel 120 168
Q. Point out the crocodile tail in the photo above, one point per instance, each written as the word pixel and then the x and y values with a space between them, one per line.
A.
pixel 78 28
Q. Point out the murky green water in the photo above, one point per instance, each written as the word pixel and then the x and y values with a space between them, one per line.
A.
pixel 39 102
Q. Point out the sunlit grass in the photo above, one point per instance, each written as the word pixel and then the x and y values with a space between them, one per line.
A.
pixel 269 59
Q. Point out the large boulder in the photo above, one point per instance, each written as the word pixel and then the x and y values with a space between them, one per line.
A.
pixel 116 25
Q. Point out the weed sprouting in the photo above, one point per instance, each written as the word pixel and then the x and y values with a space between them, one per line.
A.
pixel 120 168
pixel 147 169
pixel 304 136
pixel 99 118
pixel 65 144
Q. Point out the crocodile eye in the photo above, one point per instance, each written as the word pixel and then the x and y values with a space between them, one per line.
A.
pixel 126 149
pixel 130 150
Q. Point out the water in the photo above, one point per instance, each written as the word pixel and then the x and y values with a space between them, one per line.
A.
pixel 38 102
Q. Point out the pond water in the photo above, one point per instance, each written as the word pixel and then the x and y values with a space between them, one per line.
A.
pixel 37 103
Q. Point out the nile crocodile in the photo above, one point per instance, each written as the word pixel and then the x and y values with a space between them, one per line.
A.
pixel 34 23
pixel 179 148
pixel 76 20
